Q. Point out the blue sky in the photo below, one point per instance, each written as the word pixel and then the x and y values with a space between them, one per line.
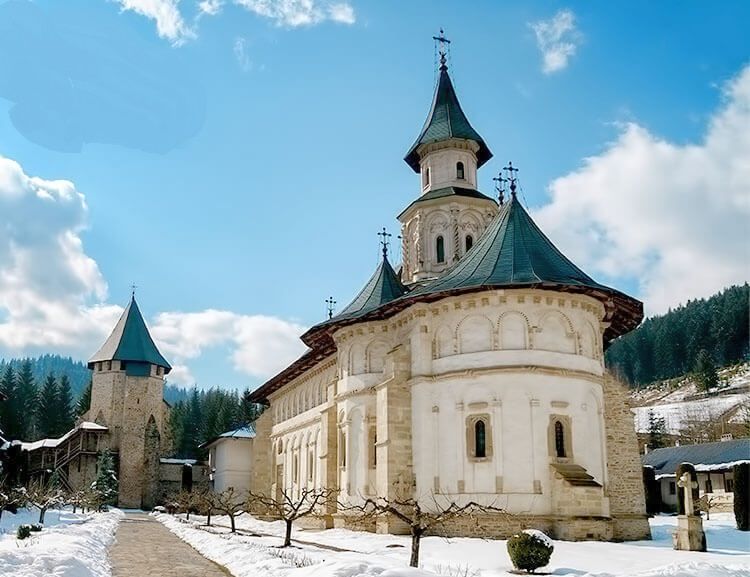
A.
pixel 237 158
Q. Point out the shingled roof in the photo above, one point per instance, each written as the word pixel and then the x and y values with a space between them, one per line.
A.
pixel 448 191
pixel 446 120
pixel 705 457
pixel 130 341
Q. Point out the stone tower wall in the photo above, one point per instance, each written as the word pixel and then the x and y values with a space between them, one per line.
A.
pixel 626 495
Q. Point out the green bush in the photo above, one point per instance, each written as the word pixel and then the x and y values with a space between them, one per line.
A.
pixel 742 496
pixel 687 468
pixel 23 531
pixel 529 550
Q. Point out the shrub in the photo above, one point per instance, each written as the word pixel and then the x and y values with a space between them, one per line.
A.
pixel 35 527
pixel 742 496
pixel 687 468
pixel 529 550
pixel 23 531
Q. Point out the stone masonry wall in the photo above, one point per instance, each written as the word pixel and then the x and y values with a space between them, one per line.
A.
pixel 626 495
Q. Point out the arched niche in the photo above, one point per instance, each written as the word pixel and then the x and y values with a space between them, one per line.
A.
pixel 376 352
pixel 443 343
pixel 555 333
pixel 514 331
pixel 474 334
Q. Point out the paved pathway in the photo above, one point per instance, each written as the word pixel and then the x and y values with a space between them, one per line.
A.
pixel 145 547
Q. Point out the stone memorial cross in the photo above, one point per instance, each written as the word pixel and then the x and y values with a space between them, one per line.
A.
pixel 688 485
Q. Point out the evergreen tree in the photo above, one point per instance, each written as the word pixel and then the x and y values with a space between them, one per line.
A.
pixel 26 407
pixel 657 431
pixel 84 402
pixel 105 486
pixel 249 411
pixel 9 416
pixel 65 419
pixel 705 371
pixel 48 421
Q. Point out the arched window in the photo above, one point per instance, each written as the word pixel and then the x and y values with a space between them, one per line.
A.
pixel 440 249
pixel 469 242
pixel 480 439
pixel 460 170
pixel 559 440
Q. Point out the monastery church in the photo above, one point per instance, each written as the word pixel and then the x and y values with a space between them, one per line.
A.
pixel 475 372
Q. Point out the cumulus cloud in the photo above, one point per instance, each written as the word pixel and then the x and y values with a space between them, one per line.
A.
pixel 261 345
pixel 295 13
pixel 51 292
pixel 557 40
pixel 53 295
pixel 672 217
pixel 166 13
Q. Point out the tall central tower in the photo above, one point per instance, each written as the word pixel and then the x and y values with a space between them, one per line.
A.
pixel 450 214
pixel 127 395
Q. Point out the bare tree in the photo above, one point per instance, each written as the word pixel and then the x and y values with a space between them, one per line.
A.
pixel 44 495
pixel 288 507
pixel 231 503
pixel 187 501
pixel 11 498
pixel 207 499
pixel 79 498
pixel 420 520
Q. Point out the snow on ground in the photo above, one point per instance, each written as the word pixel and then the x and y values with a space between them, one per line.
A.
pixel 371 555
pixel 69 545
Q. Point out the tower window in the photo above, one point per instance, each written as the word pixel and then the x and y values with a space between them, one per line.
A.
pixel 460 170
pixel 480 440
pixel 426 177
pixel 469 242
pixel 559 440
pixel 440 249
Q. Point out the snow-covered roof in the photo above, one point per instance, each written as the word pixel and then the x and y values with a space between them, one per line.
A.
pixel 704 457
pixel 51 443
pixel 246 432
pixel 190 462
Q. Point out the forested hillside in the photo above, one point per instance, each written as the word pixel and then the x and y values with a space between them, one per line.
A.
pixel 690 338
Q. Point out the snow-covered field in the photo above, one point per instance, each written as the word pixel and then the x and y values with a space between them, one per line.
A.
pixel 370 555
pixel 68 546
pixel 676 414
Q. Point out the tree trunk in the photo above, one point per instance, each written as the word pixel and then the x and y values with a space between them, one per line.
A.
pixel 208 518
pixel 187 518
pixel 288 533
pixel 416 535
pixel 74 508
pixel 41 515
pixel 231 521
pixel 1 512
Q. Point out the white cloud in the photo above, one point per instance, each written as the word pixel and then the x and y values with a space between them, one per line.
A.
pixel 557 39
pixel 240 53
pixel 210 7
pixel 671 216
pixel 51 292
pixel 166 13
pixel 53 295
pixel 261 345
pixel 296 13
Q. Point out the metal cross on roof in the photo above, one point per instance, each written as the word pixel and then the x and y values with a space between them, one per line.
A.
pixel 500 187
pixel 512 179
pixel 443 41
pixel 384 242
pixel 132 289
pixel 330 303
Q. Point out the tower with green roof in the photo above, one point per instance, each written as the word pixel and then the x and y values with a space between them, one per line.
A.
pixel 127 396
pixel 450 214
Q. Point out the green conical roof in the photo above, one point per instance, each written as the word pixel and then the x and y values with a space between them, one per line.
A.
pixel 383 287
pixel 130 341
pixel 514 252
pixel 446 120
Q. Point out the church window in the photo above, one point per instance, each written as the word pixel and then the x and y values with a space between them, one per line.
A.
pixel 426 177
pixel 342 449
pixel 469 242
pixel 559 439
pixel 460 170
pixel 478 437
pixel 480 446
pixel 296 468
pixel 440 249
pixel 311 465
pixel 373 448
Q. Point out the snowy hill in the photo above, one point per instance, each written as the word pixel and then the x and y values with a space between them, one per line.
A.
pixel 680 402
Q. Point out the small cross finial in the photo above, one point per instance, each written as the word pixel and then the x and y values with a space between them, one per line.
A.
pixel 330 303
pixel 510 170
pixel 132 290
pixel 443 41
pixel 500 187
pixel 384 241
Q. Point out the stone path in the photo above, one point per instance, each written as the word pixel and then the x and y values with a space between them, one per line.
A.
pixel 145 547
